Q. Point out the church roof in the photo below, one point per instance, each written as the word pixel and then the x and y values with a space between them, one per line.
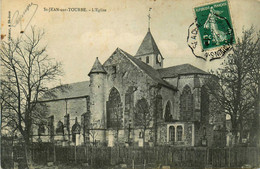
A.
pixel 153 73
pixel 184 69
pixel 148 46
pixel 73 90
pixel 97 67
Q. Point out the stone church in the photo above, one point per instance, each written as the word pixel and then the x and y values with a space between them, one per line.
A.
pixel 134 100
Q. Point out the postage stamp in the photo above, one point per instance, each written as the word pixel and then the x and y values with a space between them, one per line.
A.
pixel 213 28
pixel 214 24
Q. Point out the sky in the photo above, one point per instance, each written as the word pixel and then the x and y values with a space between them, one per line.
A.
pixel 76 38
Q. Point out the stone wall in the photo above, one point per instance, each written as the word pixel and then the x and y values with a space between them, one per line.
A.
pixel 123 74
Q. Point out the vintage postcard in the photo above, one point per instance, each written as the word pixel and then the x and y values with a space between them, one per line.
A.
pixel 130 84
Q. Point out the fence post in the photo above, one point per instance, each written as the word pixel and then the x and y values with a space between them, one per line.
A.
pixel 117 157
pixel 85 152
pixel 229 159
pixel 256 154
pixel 48 151
pixel 75 152
pixel 225 156
pixel 91 157
pixel 166 155
pixel 157 154
pixel 54 154
pixel 207 156
pixel 110 155
pixel 212 156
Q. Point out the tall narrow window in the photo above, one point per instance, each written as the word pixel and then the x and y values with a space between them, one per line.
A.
pixel 172 134
pixel 147 59
pixel 159 107
pixel 179 133
pixel 114 110
pixel 204 103
pixel 168 115
pixel 186 103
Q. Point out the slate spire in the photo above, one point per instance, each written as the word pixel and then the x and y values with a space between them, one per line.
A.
pixel 97 68
pixel 148 46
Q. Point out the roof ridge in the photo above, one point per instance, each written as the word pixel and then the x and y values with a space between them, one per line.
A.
pixel 76 82
pixel 183 69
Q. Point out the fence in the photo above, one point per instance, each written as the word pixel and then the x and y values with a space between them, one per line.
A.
pixel 6 152
pixel 164 155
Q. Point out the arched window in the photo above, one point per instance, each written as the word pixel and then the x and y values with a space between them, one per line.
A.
pixel 179 133
pixel 204 103
pixel 168 115
pixel 186 103
pixel 114 110
pixel 143 116
pixel 159 107
pixel 172 134
pixel 60 128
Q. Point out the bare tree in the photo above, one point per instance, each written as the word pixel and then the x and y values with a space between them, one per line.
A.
pixel 252 51
pixel 92 132
pixel 118 121
pixel 143 116
pixel 156 108
pixel 26 72
pixel 235 85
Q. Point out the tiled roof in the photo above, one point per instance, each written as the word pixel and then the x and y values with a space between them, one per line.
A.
pixel 97 67
pixel 72 90
pixel 184 69
pixel 154 74
pixel 148 46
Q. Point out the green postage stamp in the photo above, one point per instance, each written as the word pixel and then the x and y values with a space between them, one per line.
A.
pixel 214 25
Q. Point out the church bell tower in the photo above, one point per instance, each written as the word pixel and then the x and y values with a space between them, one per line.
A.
pixel 148 51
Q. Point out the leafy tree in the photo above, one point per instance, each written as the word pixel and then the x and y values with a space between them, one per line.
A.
pixel 27 72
